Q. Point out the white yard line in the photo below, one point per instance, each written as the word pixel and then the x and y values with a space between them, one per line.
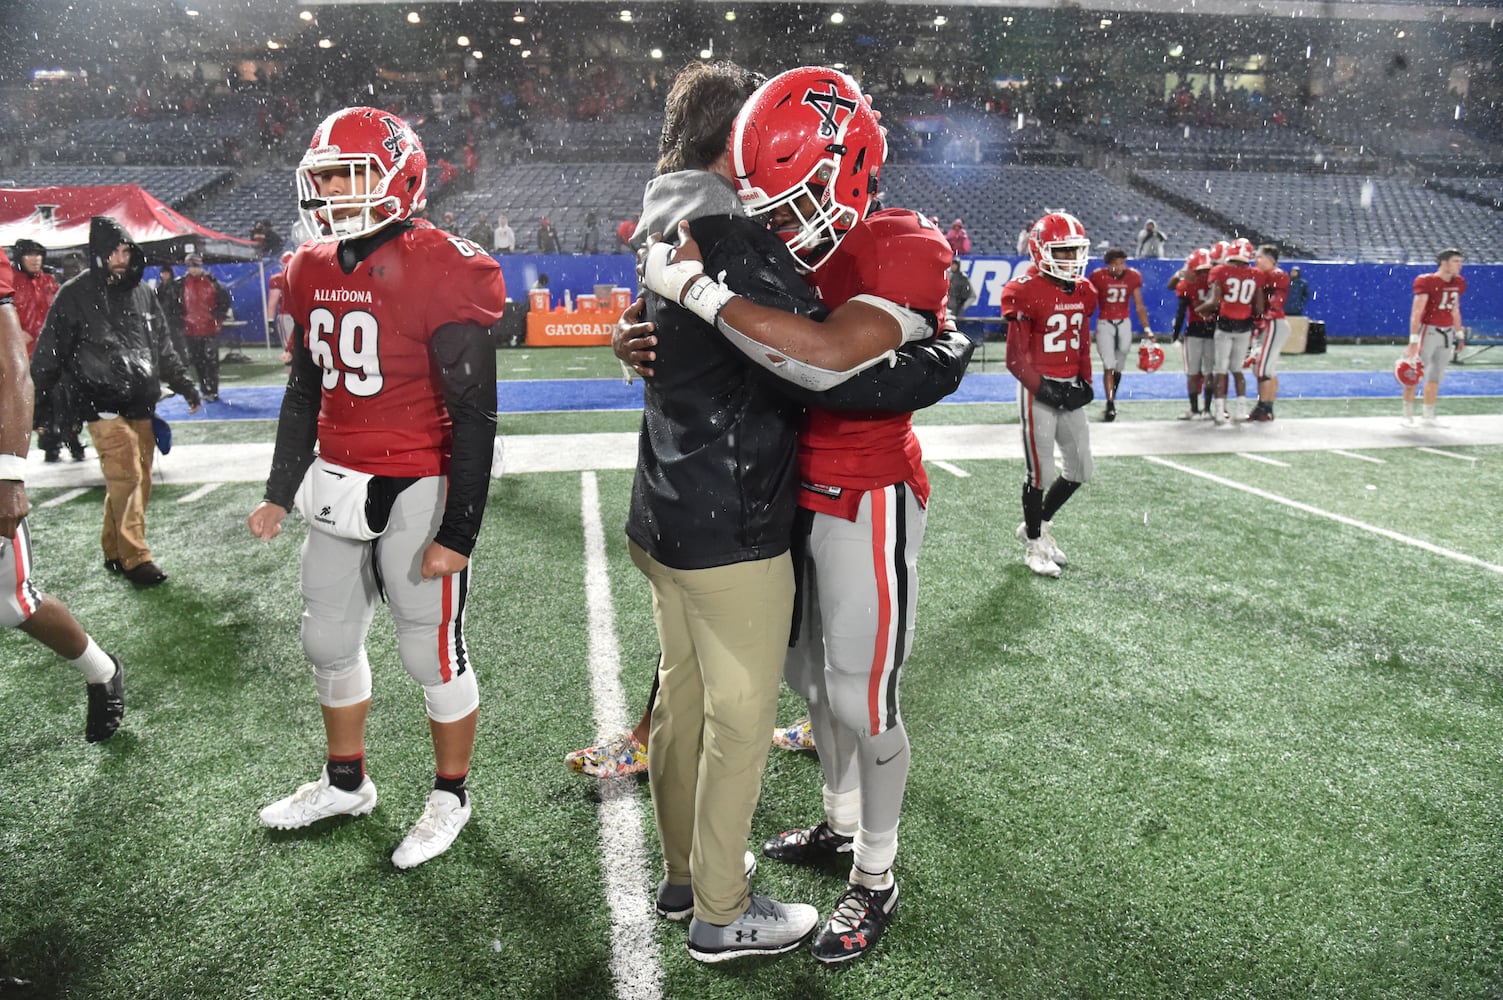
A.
pixel 1448 454
pixel 953 470
pixel 634 953
pixel 1261 458
pixel 1460 557
pixel 63 498
pixel 1360 458
pixel 199 493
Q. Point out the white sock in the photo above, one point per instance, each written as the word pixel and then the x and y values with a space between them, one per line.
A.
pixel 872 859
pixel 843 811
pixel 1429 411
pixel 1408 407
pixel 95 664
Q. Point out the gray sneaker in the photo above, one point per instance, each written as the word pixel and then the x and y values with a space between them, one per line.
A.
pixel 766 928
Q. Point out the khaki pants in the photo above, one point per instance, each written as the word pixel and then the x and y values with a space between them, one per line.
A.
pixel 724 635
pixel 126 449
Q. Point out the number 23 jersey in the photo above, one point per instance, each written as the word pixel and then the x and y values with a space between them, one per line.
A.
pixel 1052 319
pixel 382 409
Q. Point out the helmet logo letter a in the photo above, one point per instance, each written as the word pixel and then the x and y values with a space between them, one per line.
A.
pixel 394 142
pixel 829 105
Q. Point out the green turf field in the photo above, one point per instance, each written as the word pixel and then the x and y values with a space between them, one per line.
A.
pixel 1237 751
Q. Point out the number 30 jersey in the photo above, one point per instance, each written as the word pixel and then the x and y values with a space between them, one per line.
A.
pixel 382 409
pixel 1238 284
pixel 1050 322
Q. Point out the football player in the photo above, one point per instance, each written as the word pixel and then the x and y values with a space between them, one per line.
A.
pixel 1047 310
pixel 1434 325
pixel 394 378
pixel 1236 296
pixel 807 155
pixel 1117 286
pixel 1193 290
pixel 1266 356
pixel 23 606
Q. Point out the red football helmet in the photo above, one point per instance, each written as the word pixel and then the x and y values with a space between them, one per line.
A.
pixel 1055 232
pixel 1409 371
pixel 386 167
pixel 1150 356
pixel 1239 249
pixel 807 141
pixel 1219 251
pixel 1199 260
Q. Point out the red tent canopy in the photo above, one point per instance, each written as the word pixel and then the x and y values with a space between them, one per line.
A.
pixel 58 218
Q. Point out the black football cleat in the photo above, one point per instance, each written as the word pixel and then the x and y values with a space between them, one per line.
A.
pixel 814 845
pixel 148 574
pixel 1110 414
pixel 113 565
pixel 860 917
pixel 106 706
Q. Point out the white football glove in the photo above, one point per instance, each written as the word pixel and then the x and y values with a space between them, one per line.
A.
pixel 684 282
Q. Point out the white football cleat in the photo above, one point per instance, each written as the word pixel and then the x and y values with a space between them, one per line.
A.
pixel 1430 422
pixel 443 817
pixel 1037 558
pixel 319 800
pixel 1410 422
pixel 1190 415
pixel 1055 552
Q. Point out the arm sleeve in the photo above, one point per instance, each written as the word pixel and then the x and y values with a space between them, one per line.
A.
pixel 297 425
pixel 466 358
pixel 919 375
pixel 55 342
pixel 1179 315
pixel 170 367
pixel 1019 360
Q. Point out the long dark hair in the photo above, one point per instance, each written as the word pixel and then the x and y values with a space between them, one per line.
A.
pixel 701 108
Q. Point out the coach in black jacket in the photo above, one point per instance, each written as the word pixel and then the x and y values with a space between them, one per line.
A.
pixel 106 340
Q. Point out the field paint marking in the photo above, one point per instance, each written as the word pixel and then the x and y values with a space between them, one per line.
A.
pixel 634 953
pixel 1447 454
pixel 1261 458
pixel 63 498
pixel 953 470
pixel 1360 458
pixel 200 493
pixel 1461 557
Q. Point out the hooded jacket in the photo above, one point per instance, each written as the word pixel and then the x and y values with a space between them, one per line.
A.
pixel 106 339
pixel 33 293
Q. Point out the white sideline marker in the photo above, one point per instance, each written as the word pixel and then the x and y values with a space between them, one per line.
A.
pixel 1460 557
pixel 1448 454
pixel 64 497
pixel 199 493
pixel 953 470
pixel 634 957
pixel 1262 458
pixel 1360 458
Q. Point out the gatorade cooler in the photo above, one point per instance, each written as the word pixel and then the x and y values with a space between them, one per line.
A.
pixel 537 300
pixel 586 302
pixel 620 300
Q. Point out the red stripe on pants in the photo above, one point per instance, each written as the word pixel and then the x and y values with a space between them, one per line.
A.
pixel 445 624
pixel 881 650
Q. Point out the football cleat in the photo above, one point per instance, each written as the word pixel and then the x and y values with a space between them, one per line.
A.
pixel 766 928
pixel 1037 558
pixel 319 800
pixel 1190 415
pixel 675 902
pixel 106 706
pixel 1260 414
pixel 812 845
pixel 621 756
pixel 1410 422
pixel 1430 422
pixel 1050 544
pixel 860 917
pixel 443 817
pixel 797 735
pixel 1110 414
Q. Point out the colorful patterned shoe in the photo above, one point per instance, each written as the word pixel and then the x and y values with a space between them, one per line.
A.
pixel 798 735
pixel 618 757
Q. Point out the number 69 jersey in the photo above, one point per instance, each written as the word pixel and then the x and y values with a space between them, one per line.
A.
pixel 1052 322
pixel 382 409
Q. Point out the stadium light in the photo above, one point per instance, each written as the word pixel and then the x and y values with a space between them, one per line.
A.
pixel 526 53
pixel 478 54
pixel 193 13
pixel 306 15
pixel 273 44
pixel 837 18
pixel 514 41
pixel 463 41
pixel 324 43
pixel 519 17
pixel 730 15
pixel 413 17
pixel 940 21
pixel 707 53
pixel 1176 51
pixel 1106 22
pixel 625 16
pixel 656 53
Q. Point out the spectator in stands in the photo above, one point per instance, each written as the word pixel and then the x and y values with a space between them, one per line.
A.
pixel 1023 241
pixel 106 338
pixel 589 236
pixel 961 294
pixel 480 233
pixel 1151 240
pixel 958 238
pixel 206 303
pixel 503 239
pixel 624 233
pixel 268 241
pixel 1299 294
pixel 276 318
pixel 548 237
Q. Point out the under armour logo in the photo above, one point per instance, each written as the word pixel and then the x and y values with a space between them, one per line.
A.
pixel 746 935
pixel 394 142
pixel 829 105
pixel 850 941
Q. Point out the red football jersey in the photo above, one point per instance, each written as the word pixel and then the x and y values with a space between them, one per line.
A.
pixel 383 407
pixel 7 276
pixel 1115 292
pixel 33 295
pixel 1275 291
pixel 900 256
pixel 1238 284
pixel 1050 324
pixel 1444 298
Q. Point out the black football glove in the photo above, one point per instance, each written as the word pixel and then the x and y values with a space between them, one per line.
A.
pixel 1052 392
pixel 1078 393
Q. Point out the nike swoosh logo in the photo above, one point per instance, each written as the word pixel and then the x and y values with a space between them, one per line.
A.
pixel 336 475
pixel 889 760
